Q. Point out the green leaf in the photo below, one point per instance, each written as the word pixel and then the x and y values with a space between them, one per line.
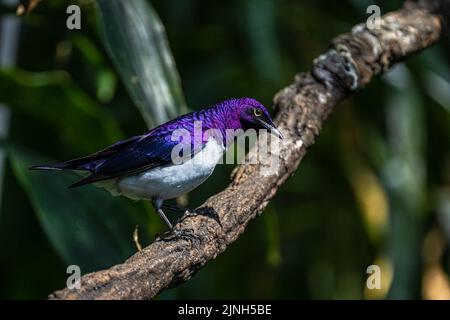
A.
pixel 87 226
pixel 136 42
pixel 4 128
pixel 272 224
pixel 404 174
pixel 54 99
pixel 259 18
pixel 105 78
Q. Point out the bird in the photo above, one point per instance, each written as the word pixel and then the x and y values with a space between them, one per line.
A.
pixel 145 167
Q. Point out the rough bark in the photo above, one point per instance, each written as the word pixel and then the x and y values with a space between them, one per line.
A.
pixel 301 109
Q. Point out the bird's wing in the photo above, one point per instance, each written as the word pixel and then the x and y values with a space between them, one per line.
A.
pixel 105 153
pixel 150 151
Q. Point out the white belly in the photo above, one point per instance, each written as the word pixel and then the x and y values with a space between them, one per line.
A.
pixel 170 181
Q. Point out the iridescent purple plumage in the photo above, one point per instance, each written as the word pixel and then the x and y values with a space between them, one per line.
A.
pixel 153 150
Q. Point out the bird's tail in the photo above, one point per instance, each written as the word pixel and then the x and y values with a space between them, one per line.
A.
pixel 69 165
pixel 84 164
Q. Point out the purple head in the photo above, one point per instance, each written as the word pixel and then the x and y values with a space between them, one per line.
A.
pixel 251 114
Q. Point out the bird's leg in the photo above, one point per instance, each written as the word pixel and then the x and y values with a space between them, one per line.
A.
pixel 186 234
pixel 157 204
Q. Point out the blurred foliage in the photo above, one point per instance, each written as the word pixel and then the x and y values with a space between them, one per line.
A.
pixel 374 189
pixel 136 42
pixel 82 223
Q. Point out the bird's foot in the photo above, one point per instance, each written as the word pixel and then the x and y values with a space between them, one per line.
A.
pixel 184 234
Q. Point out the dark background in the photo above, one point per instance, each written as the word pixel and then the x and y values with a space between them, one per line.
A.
pixel 374 189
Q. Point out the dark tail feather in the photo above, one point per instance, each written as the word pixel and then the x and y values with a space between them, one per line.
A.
pixel 65 166
pixel 85 164
pixel 73 165
pixel 89 163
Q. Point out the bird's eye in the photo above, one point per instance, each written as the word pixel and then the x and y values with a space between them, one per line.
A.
pixel 257 112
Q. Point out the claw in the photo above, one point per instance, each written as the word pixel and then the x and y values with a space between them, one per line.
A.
pixel 184 234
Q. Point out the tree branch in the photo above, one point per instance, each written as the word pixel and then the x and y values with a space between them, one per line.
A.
pixel 301 109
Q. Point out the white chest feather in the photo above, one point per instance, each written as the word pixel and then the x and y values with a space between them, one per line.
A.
pixel 169 181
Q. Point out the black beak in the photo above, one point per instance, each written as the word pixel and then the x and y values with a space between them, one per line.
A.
pixel 271 128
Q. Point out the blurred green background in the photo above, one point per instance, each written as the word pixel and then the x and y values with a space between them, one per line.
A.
pixel 374 189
